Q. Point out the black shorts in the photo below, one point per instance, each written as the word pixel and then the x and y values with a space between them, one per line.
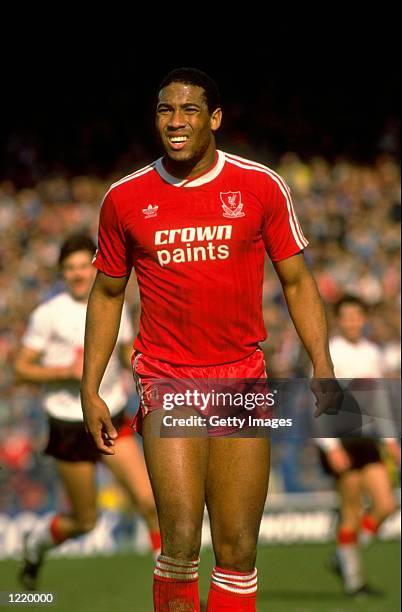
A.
pixel 361 452
pixel 69 441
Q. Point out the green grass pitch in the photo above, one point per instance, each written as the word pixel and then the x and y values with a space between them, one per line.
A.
pixel 291 578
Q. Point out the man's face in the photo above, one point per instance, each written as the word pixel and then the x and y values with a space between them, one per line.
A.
pixel 183 122
pixel 78 274
pixel 351 321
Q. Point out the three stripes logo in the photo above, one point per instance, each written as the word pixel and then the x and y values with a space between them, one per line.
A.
pixel 150 211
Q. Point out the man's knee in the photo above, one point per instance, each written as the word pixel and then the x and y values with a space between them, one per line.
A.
pixel 351 506
pixel 238 554
pixel 350 517
pixel 181 540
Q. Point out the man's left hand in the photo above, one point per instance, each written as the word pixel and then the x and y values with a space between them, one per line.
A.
pixel 328 394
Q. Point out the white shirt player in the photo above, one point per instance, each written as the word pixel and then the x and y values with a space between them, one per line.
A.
pixel 355 359
pixel 56 329
pixel 362 359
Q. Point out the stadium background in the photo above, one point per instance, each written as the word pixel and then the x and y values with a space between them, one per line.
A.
pixel 332 132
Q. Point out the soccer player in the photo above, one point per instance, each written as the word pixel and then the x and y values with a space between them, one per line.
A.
pixel 52 353
pixel 195 225
pixel 356 463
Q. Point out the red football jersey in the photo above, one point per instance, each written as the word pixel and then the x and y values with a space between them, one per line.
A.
pixel 197 247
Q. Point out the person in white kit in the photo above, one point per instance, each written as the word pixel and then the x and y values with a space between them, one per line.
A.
pixel 356 463
pixel 51 353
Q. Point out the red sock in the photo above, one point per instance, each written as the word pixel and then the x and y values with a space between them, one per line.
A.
pixel 176 585
pixel 155 538
pixel 232 591
pixel 56 534
pixel 369 524
pixel 345 535
pixel 368 529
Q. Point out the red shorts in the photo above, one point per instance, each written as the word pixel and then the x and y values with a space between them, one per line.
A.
pixel 155 380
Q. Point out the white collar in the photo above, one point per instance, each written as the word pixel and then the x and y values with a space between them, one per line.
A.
pixel 197 181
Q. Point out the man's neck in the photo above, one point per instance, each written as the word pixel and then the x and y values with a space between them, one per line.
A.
pixel 192 168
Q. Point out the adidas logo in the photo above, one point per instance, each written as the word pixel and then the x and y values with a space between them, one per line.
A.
pixel 150 211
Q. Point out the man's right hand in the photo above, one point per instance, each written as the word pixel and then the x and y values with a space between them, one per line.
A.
pixel 338 460
pixel 98 423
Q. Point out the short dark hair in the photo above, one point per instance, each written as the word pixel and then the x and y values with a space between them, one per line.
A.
pixel 193 76
pixel 350 300
pixel 74 243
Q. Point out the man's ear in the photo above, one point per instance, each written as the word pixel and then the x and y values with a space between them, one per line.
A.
pixel 216 119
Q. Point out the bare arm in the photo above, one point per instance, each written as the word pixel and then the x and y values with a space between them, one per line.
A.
pixel 102 327
pixel 308 315
pixel 28 368
pixel 307 312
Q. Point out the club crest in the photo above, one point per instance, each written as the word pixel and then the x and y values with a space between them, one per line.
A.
pixel 231 204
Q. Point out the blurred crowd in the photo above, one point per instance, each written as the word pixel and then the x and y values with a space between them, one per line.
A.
pixel 350 213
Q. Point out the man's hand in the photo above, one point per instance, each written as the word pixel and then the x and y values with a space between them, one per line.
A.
pixel 98 423
pixel 338 460
pixel 328 394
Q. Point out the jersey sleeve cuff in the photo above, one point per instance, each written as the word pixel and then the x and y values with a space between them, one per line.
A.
pixel 99 265
pixel 288 254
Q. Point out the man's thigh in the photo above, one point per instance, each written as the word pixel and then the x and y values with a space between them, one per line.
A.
pixel 177 469
pixel 237 486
